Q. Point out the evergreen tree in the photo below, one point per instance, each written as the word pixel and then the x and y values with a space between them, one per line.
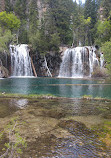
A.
pixel 58 19
pixel 90 10
pixel 106 4
pixel 106 48
pixel 8 6
pixel 20 9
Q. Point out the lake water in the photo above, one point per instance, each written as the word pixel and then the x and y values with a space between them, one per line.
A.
pixel 60 87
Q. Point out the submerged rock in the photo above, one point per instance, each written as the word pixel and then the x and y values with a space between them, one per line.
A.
pixel 74 127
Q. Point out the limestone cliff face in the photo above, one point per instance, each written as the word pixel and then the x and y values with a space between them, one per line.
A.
pixel 3 71
pixel 53 62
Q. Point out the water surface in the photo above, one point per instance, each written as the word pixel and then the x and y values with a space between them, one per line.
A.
pixel 61 87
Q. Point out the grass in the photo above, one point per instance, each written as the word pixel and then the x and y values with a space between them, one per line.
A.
pixel 46 96
pixel 103 132
pixel 26 96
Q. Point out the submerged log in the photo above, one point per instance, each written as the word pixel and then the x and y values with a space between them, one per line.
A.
pixel 48 71
pixel 33 68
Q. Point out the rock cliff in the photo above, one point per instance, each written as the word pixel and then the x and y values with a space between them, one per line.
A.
pixel 3 71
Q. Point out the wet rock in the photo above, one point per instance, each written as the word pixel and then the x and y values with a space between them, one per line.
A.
pixel 99 72
pixel 74 127
pixel 3 72
pixel 53 62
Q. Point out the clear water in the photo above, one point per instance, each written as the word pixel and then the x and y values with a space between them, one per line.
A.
pixel 59 127
pixel 61 87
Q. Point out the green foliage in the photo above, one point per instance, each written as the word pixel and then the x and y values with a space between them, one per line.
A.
pixel 103 31
pixel 5 39
pixel 106 48
pixel 8 6
pixel 54 42
pixel 57 19
pixel 90 10
pixel 33 17
pixel 106 4
pixel 39 42
pixel 16 142
pixel 81 30
pixel 9 21
pixel 20 8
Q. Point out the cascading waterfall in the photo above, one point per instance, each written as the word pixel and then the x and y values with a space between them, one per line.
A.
pixel 20 60
pixel 79 62
pixel 101 60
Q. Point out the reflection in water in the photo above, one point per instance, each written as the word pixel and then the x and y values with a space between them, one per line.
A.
pixel 74 88
pixel 22 103
pixel 21 86
pixel 96 93
pixel 19 103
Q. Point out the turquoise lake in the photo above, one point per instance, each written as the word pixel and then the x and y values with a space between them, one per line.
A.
pixel 60 87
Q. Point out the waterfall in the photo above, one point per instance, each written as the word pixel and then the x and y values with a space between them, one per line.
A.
pixel 20 60
pixel 78 62
pixel 101 60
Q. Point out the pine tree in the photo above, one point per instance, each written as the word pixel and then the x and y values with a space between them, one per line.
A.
pixel 90 10
pixel 106 4
pixel 58 19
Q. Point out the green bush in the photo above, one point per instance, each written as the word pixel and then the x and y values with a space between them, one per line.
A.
pixel 106 48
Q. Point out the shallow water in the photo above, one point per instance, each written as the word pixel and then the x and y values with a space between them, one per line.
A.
pixel 61 87
pixel 60 128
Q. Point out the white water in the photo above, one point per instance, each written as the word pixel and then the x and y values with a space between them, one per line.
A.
pixel 79 62
pixel 101 60
pixel 20 60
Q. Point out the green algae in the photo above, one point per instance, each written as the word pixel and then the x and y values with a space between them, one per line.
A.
pixel 103 132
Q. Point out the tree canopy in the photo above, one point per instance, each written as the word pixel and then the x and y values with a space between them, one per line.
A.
pixel 9 21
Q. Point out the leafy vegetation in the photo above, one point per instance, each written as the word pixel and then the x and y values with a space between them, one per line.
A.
pixel 106 48
pixel 13 148
pixel 9 24
pixel 5 39
pixel 9 21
